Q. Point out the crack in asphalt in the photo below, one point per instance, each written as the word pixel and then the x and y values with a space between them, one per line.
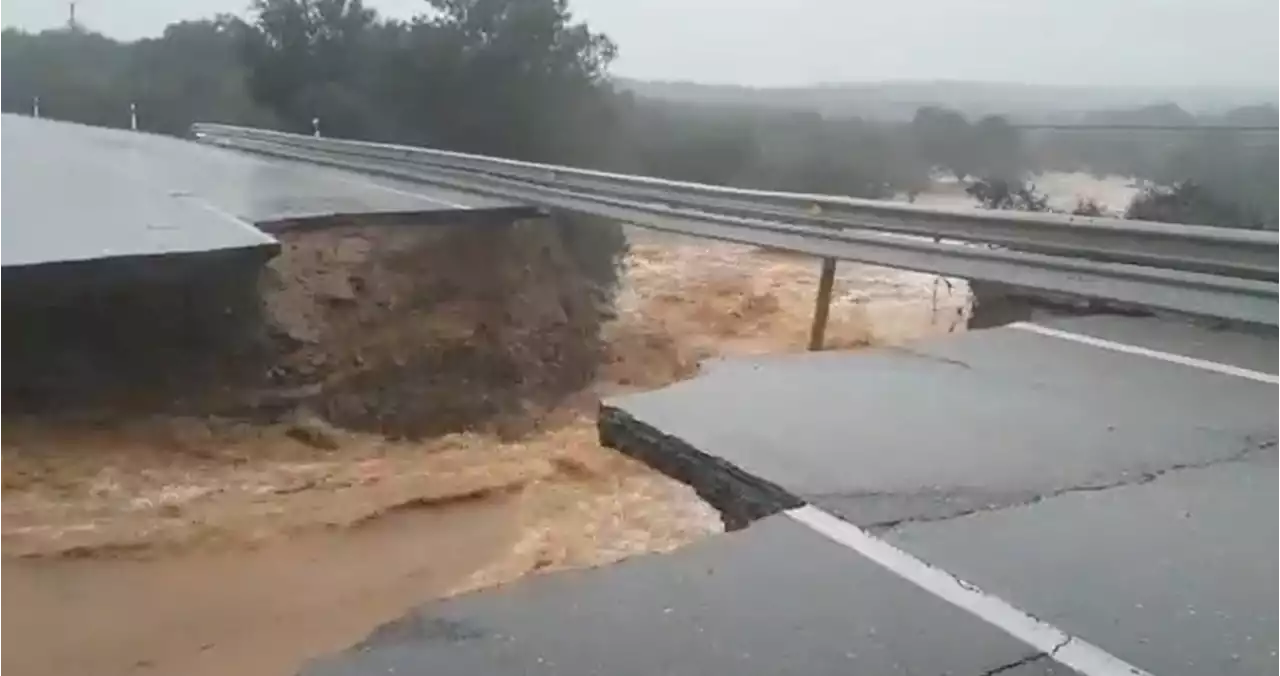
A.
pixel 1033 657
pixel 926 355
pixel 1028 659
pixel 1066 641
pixel 1137 479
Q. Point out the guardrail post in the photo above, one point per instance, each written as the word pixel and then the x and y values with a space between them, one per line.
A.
pixel 822 308
pixel 35 106
pixel 133 116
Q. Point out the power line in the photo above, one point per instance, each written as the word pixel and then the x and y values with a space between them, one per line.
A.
pixel 1151 127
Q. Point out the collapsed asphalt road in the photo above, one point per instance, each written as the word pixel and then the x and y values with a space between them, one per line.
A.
pixel 1122 494
pixel 1101 488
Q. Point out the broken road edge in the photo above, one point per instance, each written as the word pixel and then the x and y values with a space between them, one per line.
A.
pixel 740 497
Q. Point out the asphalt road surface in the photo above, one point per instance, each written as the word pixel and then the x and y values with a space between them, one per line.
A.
pixel 775 598
pixel 1094 474
pixel 74 192
pixel 1090 495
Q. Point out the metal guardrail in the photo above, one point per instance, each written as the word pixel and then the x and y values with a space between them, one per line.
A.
pixel 1200 270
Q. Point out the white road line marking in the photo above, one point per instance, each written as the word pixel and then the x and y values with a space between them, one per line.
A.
pixel 1066 649
pixel 1170 357
pixel 409 193
pixel 227 215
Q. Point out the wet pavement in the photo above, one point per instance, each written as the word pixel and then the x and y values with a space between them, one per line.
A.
pixel 1246 347
pixel 1126 499
pixel 775 598
pixel 975 421
pixel 1176 574
pixel 74 192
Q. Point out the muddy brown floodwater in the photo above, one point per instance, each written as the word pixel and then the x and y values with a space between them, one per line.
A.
pixel 244 551
pixel 188 545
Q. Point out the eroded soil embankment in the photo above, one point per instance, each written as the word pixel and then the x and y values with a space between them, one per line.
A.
pixel 417 332
pixel 405 330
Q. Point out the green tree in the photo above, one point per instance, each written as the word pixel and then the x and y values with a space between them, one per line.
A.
pixel 305 59
pixel 514 77
pixel 1190 203
pixel 944 139
pixel 78 75
pixel 997 150
pixel 1087 206
pixel 1015 195
pixel 191 73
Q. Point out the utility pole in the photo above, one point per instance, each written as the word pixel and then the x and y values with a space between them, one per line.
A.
pixel 35 106
pixel 133 116
pixel 71 19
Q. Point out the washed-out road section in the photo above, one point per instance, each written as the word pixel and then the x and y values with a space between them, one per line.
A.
pixel 1114 476
pixel 1111 478
pixel 79 193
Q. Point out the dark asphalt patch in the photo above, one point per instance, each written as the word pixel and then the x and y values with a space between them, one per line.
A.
pixel 774 598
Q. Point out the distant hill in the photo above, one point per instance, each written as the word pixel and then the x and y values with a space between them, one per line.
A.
pixel 899 100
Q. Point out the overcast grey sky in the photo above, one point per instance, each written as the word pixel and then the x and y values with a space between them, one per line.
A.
pixel 781 42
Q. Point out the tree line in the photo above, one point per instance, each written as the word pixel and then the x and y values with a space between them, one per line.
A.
pixel 1200 171
pixel 526 79
pixel 517 78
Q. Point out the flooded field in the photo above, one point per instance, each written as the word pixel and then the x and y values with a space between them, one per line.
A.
pixel 1064 189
